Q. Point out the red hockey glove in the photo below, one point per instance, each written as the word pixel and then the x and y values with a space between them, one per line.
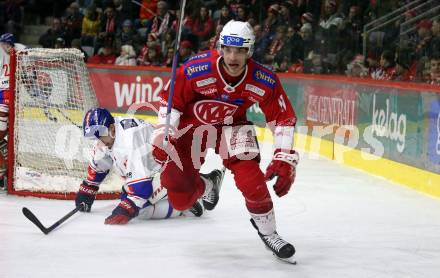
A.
pixel 283 166
pixel 124 212
pixel 161 153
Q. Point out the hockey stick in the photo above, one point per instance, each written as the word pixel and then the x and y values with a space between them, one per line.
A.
pixel 49 115
pixel 29 215
pixel 42 97
pixel 173 71
pixel 53 118
pixel 68 118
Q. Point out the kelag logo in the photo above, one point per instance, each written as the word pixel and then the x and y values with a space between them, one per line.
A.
pixel 434 132
pixel 389 124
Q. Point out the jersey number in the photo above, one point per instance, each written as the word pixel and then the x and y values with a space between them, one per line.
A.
pixel 5 68
pixel 282 103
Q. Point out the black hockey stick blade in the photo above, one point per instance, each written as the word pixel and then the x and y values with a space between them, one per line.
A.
pixel 29 215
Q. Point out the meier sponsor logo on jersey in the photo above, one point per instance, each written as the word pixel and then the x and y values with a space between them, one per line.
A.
pixel 206 81
pixel 213 111
pixel 197 69
pixel 255 89
pixel 264 78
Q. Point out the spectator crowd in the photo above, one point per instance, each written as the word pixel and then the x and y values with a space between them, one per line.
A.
pixel 299 36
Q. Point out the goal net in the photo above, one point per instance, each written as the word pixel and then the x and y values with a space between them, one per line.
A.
pixel 48 156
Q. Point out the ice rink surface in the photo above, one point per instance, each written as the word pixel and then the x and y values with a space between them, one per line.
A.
pixel 343 223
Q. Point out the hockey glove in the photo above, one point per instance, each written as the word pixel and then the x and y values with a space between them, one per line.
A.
pixel 86 196
pixel 283 166
pixel 160 153
pixel 124 212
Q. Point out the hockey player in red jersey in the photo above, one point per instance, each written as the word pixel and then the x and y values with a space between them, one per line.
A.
pixel 213 90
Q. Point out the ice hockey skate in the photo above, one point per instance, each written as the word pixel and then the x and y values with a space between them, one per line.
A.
pixel 280 248
pixel 210 199
pixel 265 224
pixel 197 209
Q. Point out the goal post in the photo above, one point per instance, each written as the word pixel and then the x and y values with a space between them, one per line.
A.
pixel 47 154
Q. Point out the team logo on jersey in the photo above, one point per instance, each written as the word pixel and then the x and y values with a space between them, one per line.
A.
pixel 197 70
pixel 264 77
pixel 213 111
pixel 206 81
pixel 209 91
pixel 235 41
pixel 128 123
pixel 200 56
pixel 255 89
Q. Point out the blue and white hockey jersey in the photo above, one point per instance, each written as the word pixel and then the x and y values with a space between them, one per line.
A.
pixel 130 157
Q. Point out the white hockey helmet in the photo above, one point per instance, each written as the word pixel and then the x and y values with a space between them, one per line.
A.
pixel 237 34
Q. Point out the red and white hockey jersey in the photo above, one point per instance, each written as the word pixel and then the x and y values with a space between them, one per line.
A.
pixel 4 70
pixel 4 66
pixel 203 97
